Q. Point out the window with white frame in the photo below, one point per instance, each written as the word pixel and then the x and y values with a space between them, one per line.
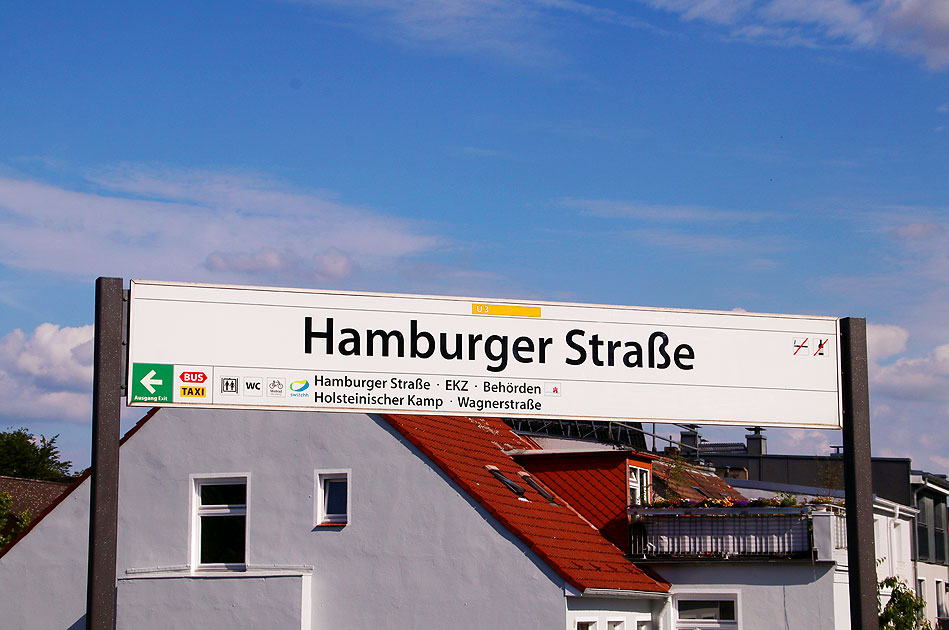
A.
pixel 615 625
pixel 940 598
pixel 220 522
pixel 332 497
pixel 694 612
pixel 639 490
pixel 586 625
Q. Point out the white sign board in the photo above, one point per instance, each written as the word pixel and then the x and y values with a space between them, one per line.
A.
pixel 267 348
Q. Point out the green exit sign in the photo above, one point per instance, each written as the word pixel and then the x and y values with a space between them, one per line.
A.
pixel 152 382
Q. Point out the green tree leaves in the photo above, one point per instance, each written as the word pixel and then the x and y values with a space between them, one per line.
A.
pixel 22 455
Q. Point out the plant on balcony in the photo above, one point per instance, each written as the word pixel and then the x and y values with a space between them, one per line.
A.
pixel 783 500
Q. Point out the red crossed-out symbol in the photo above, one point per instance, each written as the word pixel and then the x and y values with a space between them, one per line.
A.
pixel 803 344
pixel 820 348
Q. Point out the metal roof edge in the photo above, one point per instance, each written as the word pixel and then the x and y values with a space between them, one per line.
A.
pixel 624 594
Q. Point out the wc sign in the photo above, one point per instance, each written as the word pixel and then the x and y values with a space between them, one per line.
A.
pixel 268 348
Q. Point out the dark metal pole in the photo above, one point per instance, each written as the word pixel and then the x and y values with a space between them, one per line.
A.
pixel 104 502
pixel 858 477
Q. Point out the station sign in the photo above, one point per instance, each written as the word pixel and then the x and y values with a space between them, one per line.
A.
pixel 193 345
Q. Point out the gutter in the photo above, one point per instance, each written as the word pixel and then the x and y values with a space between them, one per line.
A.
pixel 624 594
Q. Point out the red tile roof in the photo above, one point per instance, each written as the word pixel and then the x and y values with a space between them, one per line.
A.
pixel 679 479
pixel 595 483
pixel 567 542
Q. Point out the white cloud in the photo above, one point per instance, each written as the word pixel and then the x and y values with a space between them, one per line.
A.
pixel 912 231
pixel 719 11
pixel 509 29
pixel 803 441
pixel 884 341
pixel 518 32
pixel 913 28
pixel 528 32
pixel 715 244
pixel 918 378
pixel 200 226
pixel 46 374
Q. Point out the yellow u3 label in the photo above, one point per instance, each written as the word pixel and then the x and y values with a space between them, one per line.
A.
pixel 505 309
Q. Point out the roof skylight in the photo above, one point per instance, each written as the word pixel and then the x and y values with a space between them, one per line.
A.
pixel 510 485
pixel 541 490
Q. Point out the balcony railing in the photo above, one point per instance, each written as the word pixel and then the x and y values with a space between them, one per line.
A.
pixel 721 532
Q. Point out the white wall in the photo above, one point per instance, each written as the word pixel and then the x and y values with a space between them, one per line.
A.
pixel 931 573
pixel 417 552
pixel 43 577
pixel 777 596
pixel 605 609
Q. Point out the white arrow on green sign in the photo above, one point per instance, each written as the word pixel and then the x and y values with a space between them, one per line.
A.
pixel 152 382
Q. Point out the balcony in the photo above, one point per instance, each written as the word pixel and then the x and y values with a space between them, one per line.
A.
pixel 809 532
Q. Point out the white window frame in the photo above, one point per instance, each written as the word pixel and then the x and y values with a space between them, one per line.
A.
pixel 621 626
pixel 577 622
pixel 320 518
pixel 641 473
pixel 682 624
pixel 197 511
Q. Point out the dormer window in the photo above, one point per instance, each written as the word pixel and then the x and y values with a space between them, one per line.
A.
pixel 640 490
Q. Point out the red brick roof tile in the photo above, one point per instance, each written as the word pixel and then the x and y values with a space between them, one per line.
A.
pixel 679 479
pixel 567 542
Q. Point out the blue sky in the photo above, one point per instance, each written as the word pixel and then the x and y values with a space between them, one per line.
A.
pixel 768 155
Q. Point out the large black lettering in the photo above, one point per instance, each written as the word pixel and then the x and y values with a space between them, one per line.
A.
pixel 595 344
pixel 386 337
pixel 684 351
pixel 633 358
pixel 443 339
pixel 349 346
pixel 660 350
pixel 499 357
pixel 414 336
pixel 581 353
pixel 309 335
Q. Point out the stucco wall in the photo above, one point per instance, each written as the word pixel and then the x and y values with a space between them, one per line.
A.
pixel 43 577
pixel 634 613
pixel 416 553
pixel 246 600
pixel 790 596
pixel 932 573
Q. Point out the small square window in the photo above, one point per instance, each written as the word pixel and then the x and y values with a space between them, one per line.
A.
pixel 586 625
pixel 615 625
pixel 220 523
pixel 332 497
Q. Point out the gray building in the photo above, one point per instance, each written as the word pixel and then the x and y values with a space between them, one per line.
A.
pixel 329 520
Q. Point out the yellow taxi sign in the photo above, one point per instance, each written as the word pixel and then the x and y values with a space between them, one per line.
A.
pixel 190 391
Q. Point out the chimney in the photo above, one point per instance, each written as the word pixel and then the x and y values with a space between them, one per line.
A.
pixel 757 443
pixel 690 441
